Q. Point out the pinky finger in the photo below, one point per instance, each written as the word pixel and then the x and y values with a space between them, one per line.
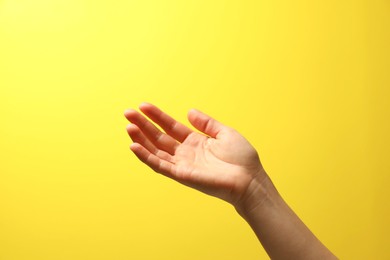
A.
pixel 157 164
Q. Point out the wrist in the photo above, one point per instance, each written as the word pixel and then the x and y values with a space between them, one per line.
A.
pixel 260 194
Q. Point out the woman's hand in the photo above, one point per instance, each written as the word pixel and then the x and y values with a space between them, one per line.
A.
pixel 222 163
pixel 217 161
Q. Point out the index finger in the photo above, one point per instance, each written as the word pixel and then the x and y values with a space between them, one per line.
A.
pixel 172 127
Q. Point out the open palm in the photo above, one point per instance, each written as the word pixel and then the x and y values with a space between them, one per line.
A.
pixel 217 161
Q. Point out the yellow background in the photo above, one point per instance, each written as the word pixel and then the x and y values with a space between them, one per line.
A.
pixel 305 81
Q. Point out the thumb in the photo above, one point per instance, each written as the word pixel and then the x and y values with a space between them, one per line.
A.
pixel 204 123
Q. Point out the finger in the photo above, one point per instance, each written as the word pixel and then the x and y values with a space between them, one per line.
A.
pixel 153 161
pixel 167 123
pixel 205 123
pixel 158 138
pixel 138 137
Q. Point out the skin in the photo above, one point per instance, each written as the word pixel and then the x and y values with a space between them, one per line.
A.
pixel 219 161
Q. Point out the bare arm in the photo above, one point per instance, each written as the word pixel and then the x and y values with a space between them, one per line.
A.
pixel 220 162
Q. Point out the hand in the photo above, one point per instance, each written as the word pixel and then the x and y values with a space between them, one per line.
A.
pixel 222 163
pixel 218 161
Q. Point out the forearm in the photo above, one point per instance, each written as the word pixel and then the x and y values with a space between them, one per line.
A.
pixel 280 231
